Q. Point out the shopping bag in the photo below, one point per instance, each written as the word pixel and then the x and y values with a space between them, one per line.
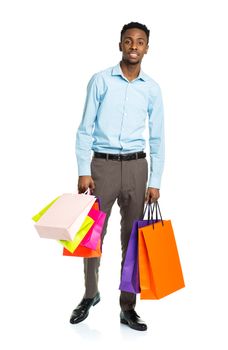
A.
pixel 94 235
pixel 130 271
pixel 160 271
pixel 41 213
pixel 98 220
pixel 84 252
pixel 96 231
pixel 64 216
pixel 36 217
pixel 97 204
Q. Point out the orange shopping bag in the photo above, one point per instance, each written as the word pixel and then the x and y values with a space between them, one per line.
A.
pixel 160 270
pixel 84 251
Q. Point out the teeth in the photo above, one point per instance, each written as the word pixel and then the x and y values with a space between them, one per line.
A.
pixel 133 54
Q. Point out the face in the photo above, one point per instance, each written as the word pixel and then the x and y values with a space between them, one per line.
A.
pixel 133 45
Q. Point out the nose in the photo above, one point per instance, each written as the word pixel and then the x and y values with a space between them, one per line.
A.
pixel 134 46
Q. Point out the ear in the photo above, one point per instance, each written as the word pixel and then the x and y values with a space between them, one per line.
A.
pixel 147 49
pixel 120 47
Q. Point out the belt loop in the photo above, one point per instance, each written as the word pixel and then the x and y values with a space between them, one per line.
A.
pixel 136 154
pixel 106 156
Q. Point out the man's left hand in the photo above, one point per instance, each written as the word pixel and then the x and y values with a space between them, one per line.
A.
pixel 152 194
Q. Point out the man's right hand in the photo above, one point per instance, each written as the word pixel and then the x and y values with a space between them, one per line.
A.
pixel 85 182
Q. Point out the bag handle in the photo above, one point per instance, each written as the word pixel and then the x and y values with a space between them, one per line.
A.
pixel 157 209
pixel 148 209
pixel 97 198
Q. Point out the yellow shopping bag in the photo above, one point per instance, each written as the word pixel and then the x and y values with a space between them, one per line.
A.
pixel 72 245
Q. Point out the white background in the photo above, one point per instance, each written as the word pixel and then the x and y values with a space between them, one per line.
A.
pixel 49 50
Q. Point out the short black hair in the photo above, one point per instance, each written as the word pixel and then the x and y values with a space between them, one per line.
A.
pixel 135 25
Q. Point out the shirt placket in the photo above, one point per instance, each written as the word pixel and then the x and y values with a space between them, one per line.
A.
pixel 124 114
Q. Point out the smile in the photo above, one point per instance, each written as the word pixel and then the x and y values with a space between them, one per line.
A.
pixel 133 55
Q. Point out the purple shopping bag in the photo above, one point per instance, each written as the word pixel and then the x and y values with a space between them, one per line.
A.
pixel 130 272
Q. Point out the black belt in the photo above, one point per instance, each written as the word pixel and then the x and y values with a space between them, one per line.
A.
pixel 126 156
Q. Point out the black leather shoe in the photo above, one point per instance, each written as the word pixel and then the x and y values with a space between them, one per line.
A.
pixel 82 310
pixel 133 320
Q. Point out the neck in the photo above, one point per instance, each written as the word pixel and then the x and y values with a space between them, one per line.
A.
pixel 130 71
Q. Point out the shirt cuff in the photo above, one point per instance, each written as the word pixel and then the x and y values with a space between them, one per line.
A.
pixel 154 182
pixel 84 170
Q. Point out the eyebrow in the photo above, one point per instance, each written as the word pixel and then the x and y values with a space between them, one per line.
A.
pixel 130 37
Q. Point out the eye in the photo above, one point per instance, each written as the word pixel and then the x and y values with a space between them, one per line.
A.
pixel 141 43
pixel 127 42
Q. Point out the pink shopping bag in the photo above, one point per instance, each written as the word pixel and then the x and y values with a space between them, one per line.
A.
pixel 64 217
pixel 93 236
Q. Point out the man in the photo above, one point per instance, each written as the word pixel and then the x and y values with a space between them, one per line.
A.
pixel 119 102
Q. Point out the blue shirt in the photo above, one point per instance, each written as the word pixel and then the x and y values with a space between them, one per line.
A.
pixel 115 115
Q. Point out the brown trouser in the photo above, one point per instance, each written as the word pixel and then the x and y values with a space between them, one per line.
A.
pixel 125 181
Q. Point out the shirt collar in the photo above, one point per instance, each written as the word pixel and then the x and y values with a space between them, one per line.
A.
pixel 116 70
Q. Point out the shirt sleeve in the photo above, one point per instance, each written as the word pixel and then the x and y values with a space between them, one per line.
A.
pixel 84 139
pixel 156 139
